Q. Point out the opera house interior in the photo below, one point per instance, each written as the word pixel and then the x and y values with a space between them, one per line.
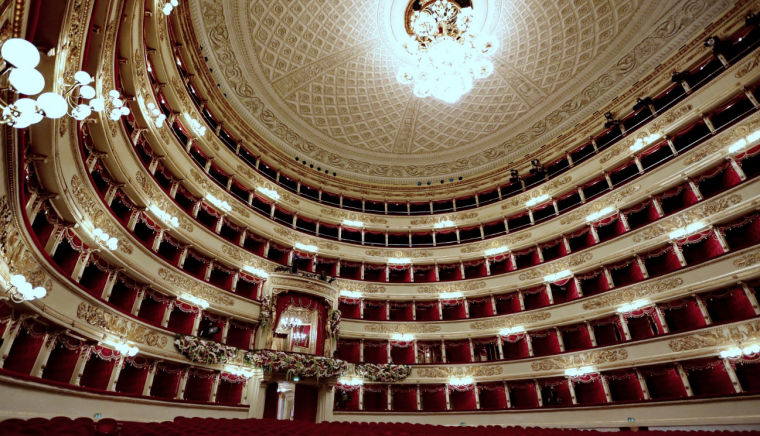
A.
pixel 379 217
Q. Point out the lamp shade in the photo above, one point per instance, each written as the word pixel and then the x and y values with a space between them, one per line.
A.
pixel 20 53
pixel 53 105
pixel 27 81
pixel 28 113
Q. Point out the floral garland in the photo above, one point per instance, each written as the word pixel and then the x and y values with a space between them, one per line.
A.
pixel 293 365
pixel 334 326
pixel 386 373
pixel 267 312
pixel 198 350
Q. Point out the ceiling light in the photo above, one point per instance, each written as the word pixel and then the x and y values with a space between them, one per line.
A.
pixel 461 381
pixel 511 330
pixel 402 337
pixel 630 307
pixel 399 260
pixel 450 295
pixel 353 223
pixel 221 204
pixel 192 299
pixel 351 294
pixel 691 228
pixel 21 290
pixel 126 349
pixel 497 250
pixel 578 372
pixel 534 201
pixel 442 224
pixel 596 215
pixel 256 271
pixel 271 193
pixel 447 57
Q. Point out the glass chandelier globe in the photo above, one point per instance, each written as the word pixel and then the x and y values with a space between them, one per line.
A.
pixel 20 53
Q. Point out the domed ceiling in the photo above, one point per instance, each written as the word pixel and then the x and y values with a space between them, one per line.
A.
pixel 317 78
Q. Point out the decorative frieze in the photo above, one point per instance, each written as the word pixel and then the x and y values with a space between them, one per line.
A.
pixel 610 200
pixel 719 336
pixel 207 186
pixel 547 188
pixel 149 189
pixel 402 328
pixel 364 288
pixel 580 359
pixel 93 210
pixel 452 287
pixel 555 267
pixel 351 216
pixel 520 319
pixel 288 284
pixel 293 237
pixel 747 260
pixel 183 284
pixel 503 241
pixel 632 293
pixel 461 371
pixel 685 218
pixel 119 326
pixel 399 254
pixel 455 218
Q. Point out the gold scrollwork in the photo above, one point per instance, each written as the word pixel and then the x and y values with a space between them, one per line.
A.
pixel 119 326
pixel 580 359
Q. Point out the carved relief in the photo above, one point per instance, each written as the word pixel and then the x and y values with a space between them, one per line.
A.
pixel 402 328
pixel 294 237
pixel 183 284
pixel 149 189
pixel 722 142
pixel 246 258
pixel 92 209
pixel 720 336
pixel 546 188
pixel 451 287
pixel 555 267
pixel 281 282
pixel 210 188
pixel 511 321
pixel 580 359
pixel 342 215
pixel 607 201
pixel 503 241
pixel 455 218
pixel 460 371
pixel 365 288
pixel 685 218
pixel 747 260
pixel 119 326
pixel 399 253
pixel 615 298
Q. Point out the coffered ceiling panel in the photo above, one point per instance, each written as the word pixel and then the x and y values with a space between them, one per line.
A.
pixel 324 71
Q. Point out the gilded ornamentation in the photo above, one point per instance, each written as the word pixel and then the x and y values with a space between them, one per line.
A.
pixel 71 52
pixel 364 288
pixel 719 336
pixel 399 253
pixel 289 284
pixel 15 253
pixel 687 217
pixel 294 237
pixel 119 326
pixel 461 371
pixel 402 328
pixel 519 319
pixel 546 188
pixel 246 258
pixel 722 142
pixel 92 209
pixel 220 194
pixel 149 188
pixel 555 267
pixel 107 81
pixel 632 293
pixel 503 241
pixel 662 122
pixel 451 287
pixel 610 200
pixel 747 260
pixel 750 63
pixel 580 359
pixel 192 287
pixel 342 215
pixel 455 218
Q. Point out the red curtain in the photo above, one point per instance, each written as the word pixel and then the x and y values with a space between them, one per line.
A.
pixel 350 309
pixel 683 314
pixel 376 351
pixel 462 397
pixel 555 392
pixel 427 311
pixel 480 307
pixel 454 309
pixel 404 398
pixel 402 352
pixel 270 401
pixel 624 386
pixel 62 360
pixel 239 335
pixel 544 342
pixel 589 390
pixel 375 310
pixel 593 282
pixel 748 374
pixel 535 298
pixel 297 299
pixel 198 386
pixel 401 311
pixel 507 304
pixel 708 377
pixel 727 305
pixel 348 350
pixel 743 232
pixel 166 380
pixel 153 307
pixel 661 261
pixel 98 369
pixel 515 347
pixel 523 395
pixel 375 397
pixel 700 247
pixel 182 318
pixel 607 331
pixel 230 389
pixel 642 324
pixel 133 375
pixel 663 382
pixel 492 396
pixel 575 337
pixel 25 348
pixel 626 273
pixel 433 397
pixel 351 394
pixel 305 399
pixel 458 352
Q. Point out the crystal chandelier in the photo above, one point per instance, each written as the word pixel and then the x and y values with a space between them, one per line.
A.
pixel 448 57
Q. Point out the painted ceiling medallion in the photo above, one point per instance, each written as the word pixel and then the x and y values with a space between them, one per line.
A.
pixel 448 55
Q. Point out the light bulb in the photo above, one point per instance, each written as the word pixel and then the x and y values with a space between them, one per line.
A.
pixel 124 111
pixel 167 9
pixel 81 112
pixel 38 292
pixel 27 81
pixel 104 236
pixel 175 3
pixel 18 280
pixel 97 104
pixel 114 93
pixel 97 232
pixel 25 289
pixel 87 92
pixel 53 105
pixel 20 53
pixel 83 77
pixel 152 107
pixel 28 113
